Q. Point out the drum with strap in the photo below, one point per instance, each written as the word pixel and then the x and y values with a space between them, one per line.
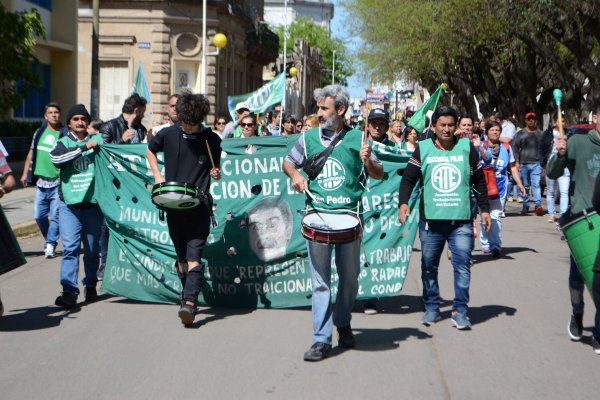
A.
pixel 170 196
pixel 331 228
pixel 582 232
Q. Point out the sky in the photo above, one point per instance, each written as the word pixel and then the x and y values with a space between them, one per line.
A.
pixel 356 84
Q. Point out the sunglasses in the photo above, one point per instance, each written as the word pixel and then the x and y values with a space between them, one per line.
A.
pixel 220 123
pixel 247 125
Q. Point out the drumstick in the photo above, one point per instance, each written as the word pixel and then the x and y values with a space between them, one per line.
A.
pixel 558 96
pixel 212 162
pixel 310 195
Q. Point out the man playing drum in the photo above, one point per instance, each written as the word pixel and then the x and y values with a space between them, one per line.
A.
pixel 191 156
pixel 337 190
pixel 581 154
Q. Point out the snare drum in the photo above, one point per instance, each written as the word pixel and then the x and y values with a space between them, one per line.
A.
pixel 176 196
pixel 582 231
pixel 331 228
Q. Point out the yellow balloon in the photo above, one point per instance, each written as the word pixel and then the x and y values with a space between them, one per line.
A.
pixel 445 87
pixel 293 71
pixel 220 40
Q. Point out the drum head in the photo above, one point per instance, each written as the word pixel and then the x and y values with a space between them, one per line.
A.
pixel 330 222
pixel 175 196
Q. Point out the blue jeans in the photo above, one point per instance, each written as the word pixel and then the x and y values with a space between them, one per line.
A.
pixel 434 235
pixel 46 205
pixel 348 267
pixel 531 175
pixel 493 239
pixel 563 188
pixel 79 225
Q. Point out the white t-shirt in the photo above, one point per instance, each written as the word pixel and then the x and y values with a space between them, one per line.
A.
pixel 508 130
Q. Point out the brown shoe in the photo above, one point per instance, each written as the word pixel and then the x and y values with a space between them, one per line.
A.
pixel 539 211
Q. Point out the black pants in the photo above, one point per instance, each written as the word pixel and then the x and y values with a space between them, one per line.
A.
pixel 188 231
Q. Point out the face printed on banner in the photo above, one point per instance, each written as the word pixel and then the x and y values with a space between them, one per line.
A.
pixel 270 228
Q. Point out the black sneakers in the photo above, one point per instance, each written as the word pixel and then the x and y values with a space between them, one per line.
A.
pixel 575 327
pixel 66 300
pixel 317 352
pixel 187 313
pixel 346 338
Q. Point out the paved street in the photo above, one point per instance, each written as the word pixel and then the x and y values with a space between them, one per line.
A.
pixel 120 349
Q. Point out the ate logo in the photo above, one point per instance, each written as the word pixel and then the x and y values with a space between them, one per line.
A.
pixel 81 164
pixel 332 176
pixel 445 178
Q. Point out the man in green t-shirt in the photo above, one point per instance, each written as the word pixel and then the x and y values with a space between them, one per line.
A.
pixel 79 216
pixel 41 172
pixel 448 166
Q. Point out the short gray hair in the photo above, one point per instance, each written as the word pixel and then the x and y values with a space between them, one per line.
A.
pixel 338 93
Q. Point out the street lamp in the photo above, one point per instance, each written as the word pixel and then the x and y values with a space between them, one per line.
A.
pixel 333 70
pixel 293 71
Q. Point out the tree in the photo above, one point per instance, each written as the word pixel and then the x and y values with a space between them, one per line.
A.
pixel 17 40
pixel 317 36
pixel 509 54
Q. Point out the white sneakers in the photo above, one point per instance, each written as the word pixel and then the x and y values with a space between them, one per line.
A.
pixel 49 251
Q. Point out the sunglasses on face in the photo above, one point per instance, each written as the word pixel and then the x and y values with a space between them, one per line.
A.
pixel 221 123
pixel 247 124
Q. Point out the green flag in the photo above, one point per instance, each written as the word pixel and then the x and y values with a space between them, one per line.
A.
pixel 139 85
pixel 260 100
pixel 417 121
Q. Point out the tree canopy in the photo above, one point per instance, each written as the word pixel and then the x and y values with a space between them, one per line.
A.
pixel 17 40
pixel 508 54
pixel 317 36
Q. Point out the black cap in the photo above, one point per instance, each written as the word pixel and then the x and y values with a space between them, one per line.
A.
pixel 78 109
pixel 378 113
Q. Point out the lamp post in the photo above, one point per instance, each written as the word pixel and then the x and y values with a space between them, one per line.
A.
pixel 333 70
pixel 219 40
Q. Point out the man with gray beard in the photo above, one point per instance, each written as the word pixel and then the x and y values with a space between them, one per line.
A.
pixel 330 193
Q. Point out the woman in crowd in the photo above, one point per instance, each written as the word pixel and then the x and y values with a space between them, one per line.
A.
pixel 219 125
pixel 410 139
pixel 500 157
pixel 311 122
pixel 288 125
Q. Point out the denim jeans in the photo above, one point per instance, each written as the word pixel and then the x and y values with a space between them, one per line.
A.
pixel 493 239
pixel 576 288
pixel 563 188
pixel 347 261
pixel 434 235
pixel 531 175
pixel 79 225
pixel 596 298
pixel 46 206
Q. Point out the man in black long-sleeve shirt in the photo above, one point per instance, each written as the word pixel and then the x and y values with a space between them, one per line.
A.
pixel 448 166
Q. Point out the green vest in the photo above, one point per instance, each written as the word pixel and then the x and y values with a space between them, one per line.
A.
pixel 237 132
pixel 43 164
pixel 77 178
pixel 446 180
pixel 337 187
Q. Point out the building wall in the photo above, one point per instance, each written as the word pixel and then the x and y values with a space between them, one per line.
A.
pixel 165 38
pixel 319 11
pixel 56 53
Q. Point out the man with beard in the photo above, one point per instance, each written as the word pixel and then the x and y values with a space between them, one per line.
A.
pixel 192 154
pixel 270 228
pixel 79 216
pixel 354 154
pixel 127 128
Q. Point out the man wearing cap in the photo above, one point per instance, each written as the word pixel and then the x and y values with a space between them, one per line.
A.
pixel 526 145
pixel 79 216
pixel 379 122
pixel 233 129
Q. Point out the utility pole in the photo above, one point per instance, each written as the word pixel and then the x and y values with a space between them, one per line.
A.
pixel 95 64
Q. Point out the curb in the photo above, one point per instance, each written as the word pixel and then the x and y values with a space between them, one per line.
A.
pixel 26 229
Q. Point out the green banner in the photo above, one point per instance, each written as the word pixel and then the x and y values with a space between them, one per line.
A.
pixel 257 256
pixel 260 100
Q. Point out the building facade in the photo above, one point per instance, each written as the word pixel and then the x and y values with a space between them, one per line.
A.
pixel 165 38
pixel 56 54
pixel 319 11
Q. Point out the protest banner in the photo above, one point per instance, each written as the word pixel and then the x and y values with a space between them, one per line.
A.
pixel 257 256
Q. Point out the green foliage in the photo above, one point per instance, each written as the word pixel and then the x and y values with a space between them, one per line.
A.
pixel 505 53
pixel 17 40
pixel 317 36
